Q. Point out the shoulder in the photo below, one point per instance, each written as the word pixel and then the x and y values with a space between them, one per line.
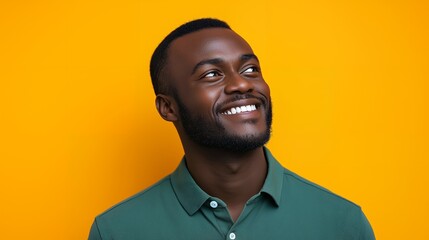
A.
pixel 140 214
pixel 312 203
pixel 297 188
pixel 141 202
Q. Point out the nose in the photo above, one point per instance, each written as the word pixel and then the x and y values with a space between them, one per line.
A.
pixel 238 84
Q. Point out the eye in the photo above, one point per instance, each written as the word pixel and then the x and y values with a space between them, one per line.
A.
pixel 211 74
pixel 250 70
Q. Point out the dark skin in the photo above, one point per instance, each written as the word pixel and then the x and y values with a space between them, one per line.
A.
pixel 214 65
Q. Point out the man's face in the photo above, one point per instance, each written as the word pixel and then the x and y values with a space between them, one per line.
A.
pixel 222 97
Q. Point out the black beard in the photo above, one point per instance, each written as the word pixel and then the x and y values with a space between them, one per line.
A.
pixel 214 135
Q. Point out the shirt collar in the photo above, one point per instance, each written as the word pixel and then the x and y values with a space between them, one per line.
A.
pixel 192 197
pixel 274 181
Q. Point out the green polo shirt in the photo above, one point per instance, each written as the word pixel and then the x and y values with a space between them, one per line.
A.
pixel 287 207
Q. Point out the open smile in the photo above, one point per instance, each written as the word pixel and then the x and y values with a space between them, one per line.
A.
pixel 240 109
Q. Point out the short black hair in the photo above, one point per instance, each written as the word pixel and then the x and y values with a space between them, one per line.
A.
pixel 159 56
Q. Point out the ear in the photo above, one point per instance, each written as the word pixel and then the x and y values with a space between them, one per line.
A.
pixel 166 107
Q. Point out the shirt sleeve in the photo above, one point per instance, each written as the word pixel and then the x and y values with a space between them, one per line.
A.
pixel 94 233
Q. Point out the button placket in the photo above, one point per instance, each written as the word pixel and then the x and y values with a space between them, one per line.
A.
pixel 213 204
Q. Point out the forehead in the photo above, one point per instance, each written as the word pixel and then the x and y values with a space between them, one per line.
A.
pixel 206 44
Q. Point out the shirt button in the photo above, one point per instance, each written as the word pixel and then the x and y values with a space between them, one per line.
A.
pixel 232 236
pixel 213 204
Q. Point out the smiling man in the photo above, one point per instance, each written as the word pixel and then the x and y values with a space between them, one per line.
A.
pixel 208 83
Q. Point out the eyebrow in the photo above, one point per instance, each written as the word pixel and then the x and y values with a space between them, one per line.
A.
pixel 214 61
pixel 249 56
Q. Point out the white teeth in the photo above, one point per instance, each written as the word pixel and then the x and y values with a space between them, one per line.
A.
pixel 235 110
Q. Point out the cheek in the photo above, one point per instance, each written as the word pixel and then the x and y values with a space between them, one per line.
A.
pixel 263 88
pixel 211 94
pixel 202 98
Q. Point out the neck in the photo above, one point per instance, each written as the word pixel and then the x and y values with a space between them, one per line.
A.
pixel 232 177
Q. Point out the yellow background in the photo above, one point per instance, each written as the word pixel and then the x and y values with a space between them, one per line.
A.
pixel 79 130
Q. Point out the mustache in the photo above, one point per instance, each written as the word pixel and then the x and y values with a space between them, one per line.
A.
pixel 237 97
